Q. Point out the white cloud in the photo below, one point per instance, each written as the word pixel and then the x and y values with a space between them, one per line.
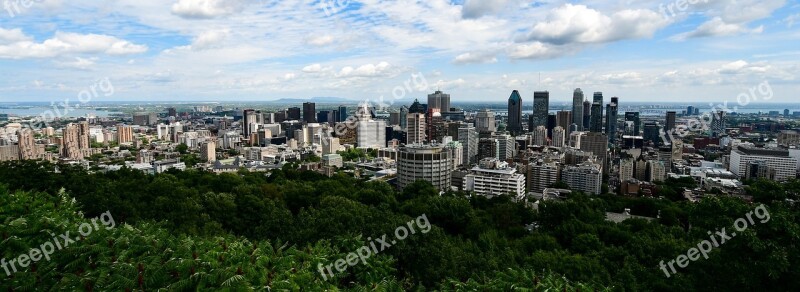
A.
pixel 64 43
pixel 717 27
pixel 321 40
pixel 79 63
pixel 475 58
pixel 315 68
pixel 206 8
pixel 742 66
pixel 579 24
pixel 536 50
pixel 369 70
pixel 210 39
pixel 9 36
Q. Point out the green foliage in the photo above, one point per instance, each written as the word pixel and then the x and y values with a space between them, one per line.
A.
pixel 298 219
pixel 182 148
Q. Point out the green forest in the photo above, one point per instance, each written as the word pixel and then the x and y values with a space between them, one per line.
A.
pixel 194 230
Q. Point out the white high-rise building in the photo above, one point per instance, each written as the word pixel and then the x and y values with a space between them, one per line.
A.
pixel 494 178
pixel 506 146
pixel 371 134
pixel 656 171
pixel 575 139
pixel 559 137
pixel 542 174
pixel 416 128
pixel 468 137
pixel 784 165
pixel 586 177
pixel 540 136
pixel 456 152
pixel 431 163
pixel 485 122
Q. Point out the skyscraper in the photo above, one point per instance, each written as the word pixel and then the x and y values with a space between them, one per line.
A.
pixel 309 112
pixel 596 122
pixel 670 123
pixel 718 123
pixel 563 119
pixel 27 145
pixel 633 118
pixel 293 114
pixel 342 113
pixel 597 144
pixel 439 100
pixel 587 114
pixel 403 117
pixel 485 122
pixel 577 108
pixel 652 133
pixel 515 113
pixel 541 107
pixel 369 133
pixel 416 128
pixel 559 137
pixel 539 137
pixel 612 110
pixel 468 137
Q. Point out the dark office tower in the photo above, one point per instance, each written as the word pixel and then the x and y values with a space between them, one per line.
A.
pixel 577 108
pixel 280 117
pixel 564 119
pixel 633 117
pixel 670 122
pixel 324 117
pixel 172 112
pixel 552 122
pixel 612 110
pixel 309 112
pixel 786 112
pixel 541 108
pixel 690 111
pixel 293 114
pixel 718 123
pixel 439 100
pixel 515 113
pixel 417 108
pixel 334 116
pixel 587 114
pixel 596 122
pixel 342 114
pixel 403 118
pixel 248 117
pixel 652 133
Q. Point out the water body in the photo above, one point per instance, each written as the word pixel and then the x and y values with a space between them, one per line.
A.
pixel 38 111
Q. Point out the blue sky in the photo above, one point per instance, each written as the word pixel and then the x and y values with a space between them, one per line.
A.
pixel 232 50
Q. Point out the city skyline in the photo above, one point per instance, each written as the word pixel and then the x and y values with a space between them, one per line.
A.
pixel 215 50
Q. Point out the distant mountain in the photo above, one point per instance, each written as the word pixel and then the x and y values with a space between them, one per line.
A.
pixel 313 99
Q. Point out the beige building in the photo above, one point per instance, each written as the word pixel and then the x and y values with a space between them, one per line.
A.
pixel 124 134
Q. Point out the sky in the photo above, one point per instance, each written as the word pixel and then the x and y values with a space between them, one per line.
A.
pixel 476 50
